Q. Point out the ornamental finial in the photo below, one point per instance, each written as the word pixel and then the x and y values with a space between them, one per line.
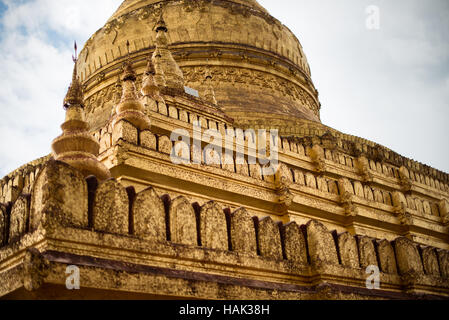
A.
pixel 128 72
pixel 160 24
pixel 75 95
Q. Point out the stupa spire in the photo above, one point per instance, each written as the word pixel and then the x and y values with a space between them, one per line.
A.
pixel 76 146
pixel 130 108
pixel 75 93
pixel 149 86
pixel 163 59
pixel 152 98
pixel 159 77
pixel 128 71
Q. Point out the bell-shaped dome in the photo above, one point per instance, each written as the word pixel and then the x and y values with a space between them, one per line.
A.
pixel 259 72
pixel 130 5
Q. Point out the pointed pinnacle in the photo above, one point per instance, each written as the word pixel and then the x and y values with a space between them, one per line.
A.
pixel 160 25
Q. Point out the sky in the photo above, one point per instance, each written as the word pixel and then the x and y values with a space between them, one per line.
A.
pixel 381 67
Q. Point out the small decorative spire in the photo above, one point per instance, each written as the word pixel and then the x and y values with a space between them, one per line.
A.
pixel 163 60
pixel 75 95
pixel 76 146
pixel 159 77
pixel 160 24
pixel 149 86
pixel 209 94
pixel 150 68
pixel 130 108
pixel 128 73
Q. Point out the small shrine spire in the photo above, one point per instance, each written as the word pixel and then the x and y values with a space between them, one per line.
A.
pixel 161 25
pixel 130 108
pixel 149 85
pixel 128 71
pixel 76 146
pixel 75 94
pixel 150 68
pixel 163 59
pixel 151 88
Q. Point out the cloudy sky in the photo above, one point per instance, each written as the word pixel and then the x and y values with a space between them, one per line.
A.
pixel 389 85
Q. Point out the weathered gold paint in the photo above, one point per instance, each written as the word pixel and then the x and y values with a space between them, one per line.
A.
pixel 337 204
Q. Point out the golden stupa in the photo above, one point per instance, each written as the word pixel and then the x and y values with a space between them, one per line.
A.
pixel 163 184
pixel 257 62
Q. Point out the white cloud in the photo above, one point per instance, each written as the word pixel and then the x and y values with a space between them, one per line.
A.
pixel 36 69
pixel 389 86
pixel 70 18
